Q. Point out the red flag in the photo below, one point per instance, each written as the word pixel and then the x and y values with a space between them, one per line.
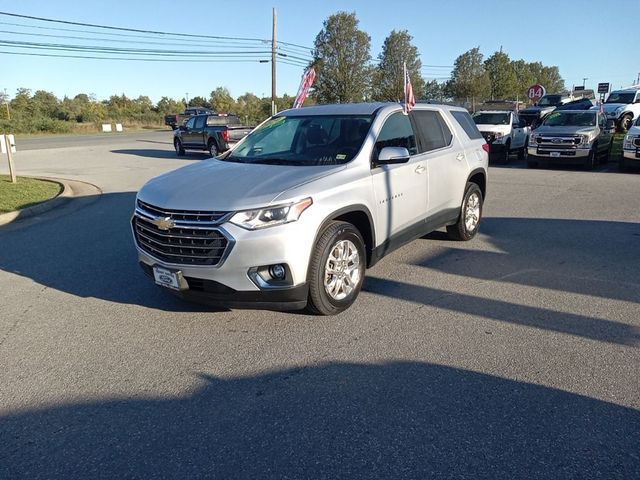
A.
pixel 307 80
pixel 409 98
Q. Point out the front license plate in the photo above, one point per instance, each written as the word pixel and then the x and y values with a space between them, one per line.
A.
pixel 555 154
pixel 166 278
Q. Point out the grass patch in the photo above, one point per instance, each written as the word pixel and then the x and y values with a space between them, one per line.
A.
pixel 616 151
pixel 25 193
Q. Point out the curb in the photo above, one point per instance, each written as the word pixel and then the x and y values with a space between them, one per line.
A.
pixel 66 195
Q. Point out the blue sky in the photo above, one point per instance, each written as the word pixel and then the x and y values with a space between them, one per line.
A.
pixel 588 44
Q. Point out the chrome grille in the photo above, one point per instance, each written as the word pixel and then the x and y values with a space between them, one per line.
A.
pixel 558 142
pixel 636 141
pixel 181 237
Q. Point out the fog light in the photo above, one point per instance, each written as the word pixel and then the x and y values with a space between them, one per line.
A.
pixel 277 272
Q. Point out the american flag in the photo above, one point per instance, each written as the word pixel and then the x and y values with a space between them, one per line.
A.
pixel 307 80
pixel 409 98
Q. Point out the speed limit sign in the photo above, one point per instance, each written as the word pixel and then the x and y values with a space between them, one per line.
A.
pixel 536 92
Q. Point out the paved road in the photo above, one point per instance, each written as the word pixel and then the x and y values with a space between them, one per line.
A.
pixel 512 356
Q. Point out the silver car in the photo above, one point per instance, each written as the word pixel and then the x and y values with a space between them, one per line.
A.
pixel 294 213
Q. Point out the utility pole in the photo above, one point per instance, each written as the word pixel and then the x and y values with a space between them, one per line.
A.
pixel 187 98
pixel 274 45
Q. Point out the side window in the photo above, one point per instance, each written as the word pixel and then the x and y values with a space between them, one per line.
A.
pixel 434 132
pixel 516 120
pixel 397 132
pixel 200 121
pixel 467 124
pixel 190 123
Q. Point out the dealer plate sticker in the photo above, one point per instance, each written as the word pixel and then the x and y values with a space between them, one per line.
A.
pixel 555 154
pixel 166 278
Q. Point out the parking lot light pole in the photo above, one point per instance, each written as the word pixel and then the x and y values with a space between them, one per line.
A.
pixel 274 45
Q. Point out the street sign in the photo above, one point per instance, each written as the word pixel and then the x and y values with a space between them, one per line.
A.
pixel 536 92
pixel 603 87
pixel 578 88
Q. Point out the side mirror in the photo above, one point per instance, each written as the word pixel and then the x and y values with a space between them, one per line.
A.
pixel 393 155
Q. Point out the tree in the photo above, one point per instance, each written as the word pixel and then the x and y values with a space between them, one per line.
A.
pixel 548 77
pixel 388 78
pixel 222 101
pixel 503 83
pixel 21 103
pixel 469 80
pixel 198 101
pixel 168 106
pixel 434 90
pixel 341 60
pixel 524 78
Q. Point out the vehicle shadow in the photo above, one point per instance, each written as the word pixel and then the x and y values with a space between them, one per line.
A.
pixel 89 253
pixel 157 153
pixel 338 420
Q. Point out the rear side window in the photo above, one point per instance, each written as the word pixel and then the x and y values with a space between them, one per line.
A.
pixel 200 122
pixel 397 132
pixel 434 132
pixel 467 124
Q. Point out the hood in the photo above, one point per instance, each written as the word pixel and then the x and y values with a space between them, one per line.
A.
pixel 634 131
pixel 503 129
pixel 225 186
pixel 612 107
pixel 564 130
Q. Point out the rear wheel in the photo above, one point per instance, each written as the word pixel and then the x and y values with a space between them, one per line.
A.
pixel 470 215
pixel 178 146
pixel 336 270
pixel 213 148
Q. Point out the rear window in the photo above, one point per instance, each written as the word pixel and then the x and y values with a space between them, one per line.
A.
pixel 434 132
pixel 223 120
pixel 467 124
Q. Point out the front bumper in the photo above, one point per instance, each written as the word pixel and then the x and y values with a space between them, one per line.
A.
pixel 232 283
pixel 577 155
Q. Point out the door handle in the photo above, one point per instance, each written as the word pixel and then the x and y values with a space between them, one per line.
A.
pixel 420 169
pixel 460 157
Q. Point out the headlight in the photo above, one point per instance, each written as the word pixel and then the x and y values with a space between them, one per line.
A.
pixel 585 142
pixel 270 216
pixel 627 142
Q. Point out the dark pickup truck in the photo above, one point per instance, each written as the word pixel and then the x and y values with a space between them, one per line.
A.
pixel 173 120
pixel 212 132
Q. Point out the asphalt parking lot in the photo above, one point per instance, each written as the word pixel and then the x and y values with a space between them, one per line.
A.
pixel 515 355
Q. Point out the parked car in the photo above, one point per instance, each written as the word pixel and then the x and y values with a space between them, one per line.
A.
pixel 533 116
pixel 572 136
pixel 295 212
pixel 504 132
pixel 623 106
pixel 579 104
pixel 211 133
pixel 631 148
pixel 175 120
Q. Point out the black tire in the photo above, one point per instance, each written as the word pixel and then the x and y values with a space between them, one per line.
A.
pixel 524 153
pixel 460 230
pixel 213 148
pixel 590 161
pixel 625 123
pixel 320 301
pixel 177 144
pixel 505 155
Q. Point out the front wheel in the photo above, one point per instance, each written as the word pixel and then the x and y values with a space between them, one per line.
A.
pixel 336 270
pixel 524 153
pixel 590 161
pixel 470 214
pixel 625 123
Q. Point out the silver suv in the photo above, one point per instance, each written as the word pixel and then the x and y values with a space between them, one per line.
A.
pixel 294 213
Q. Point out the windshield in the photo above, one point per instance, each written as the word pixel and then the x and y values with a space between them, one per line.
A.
pixel 619 97
pixel 491 118
pixel 303 141
pixel 571 119
pixel 550 101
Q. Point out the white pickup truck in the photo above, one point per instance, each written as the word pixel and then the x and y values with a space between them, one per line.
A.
pixel 504 132
pixel 631 148
pixel 623 106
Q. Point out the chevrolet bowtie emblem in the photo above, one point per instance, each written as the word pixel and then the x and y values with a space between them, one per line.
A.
pixel 163 223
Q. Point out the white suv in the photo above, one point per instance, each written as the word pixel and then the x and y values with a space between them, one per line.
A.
pixel 631 148
pixel 295 212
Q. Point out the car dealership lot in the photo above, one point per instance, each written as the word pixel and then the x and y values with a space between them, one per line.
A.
pixel 514 355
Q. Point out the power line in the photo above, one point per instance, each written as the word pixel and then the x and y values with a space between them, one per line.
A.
pixel 123 29
pixel 195 60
